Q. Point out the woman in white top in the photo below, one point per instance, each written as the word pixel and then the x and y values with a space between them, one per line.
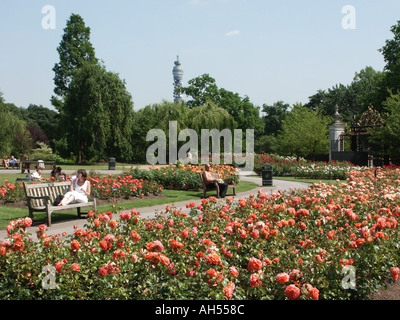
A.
pixel 79 189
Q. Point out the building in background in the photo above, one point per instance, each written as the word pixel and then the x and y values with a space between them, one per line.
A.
pixel 178 76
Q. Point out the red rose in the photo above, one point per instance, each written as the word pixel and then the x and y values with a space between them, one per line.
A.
pixel 394 272
pixel 282 277
pixel 104 245
pixel 27 222
pixel 75 267
pixel 314 293
pixel 292 292
pixel 233 271
pixel 103 271
pixel 254 265
pixel 229 289
pixel 255 281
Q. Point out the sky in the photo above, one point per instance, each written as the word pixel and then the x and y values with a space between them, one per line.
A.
pixel 267 50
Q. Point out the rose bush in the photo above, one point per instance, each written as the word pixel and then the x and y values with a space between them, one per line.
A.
pixel 326 242
pixel 10 192
pixel 125 186
pixel 183 177
pixel 301 168
pixel 107 187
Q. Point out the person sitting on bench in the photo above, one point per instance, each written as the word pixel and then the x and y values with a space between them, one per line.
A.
pixel 13 162
pixel 210 178
pixel 79 190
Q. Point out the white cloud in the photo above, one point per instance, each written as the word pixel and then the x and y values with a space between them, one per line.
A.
pixel 232 33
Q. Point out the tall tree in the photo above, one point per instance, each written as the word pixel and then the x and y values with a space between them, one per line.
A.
pixel 304 132
pixel 158 116
pixel 391 55
pixel 353 100
pixel 203 90
pixel 273 117
pixel 386 138
pixel 48 121
pixel 200 89
pixel 74 50
pixel 97 115
pixel 15 138
pixel 367 88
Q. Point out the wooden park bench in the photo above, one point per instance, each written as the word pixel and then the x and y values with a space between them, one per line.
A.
pixel 15 166
pixel 40 198
pixel 214 186
pixel 26 165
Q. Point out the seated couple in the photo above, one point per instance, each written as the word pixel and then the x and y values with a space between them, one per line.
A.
pixel 12 162
pixel 211 178
pixel 79 190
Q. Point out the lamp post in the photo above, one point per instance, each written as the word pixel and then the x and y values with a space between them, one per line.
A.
pixel 335 132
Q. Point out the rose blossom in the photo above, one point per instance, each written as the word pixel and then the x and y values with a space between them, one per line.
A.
pixel 255 281
pixel 292 292
pixel 254 265
pixel 229 289
pixel 394 272
pixel 282 277
pixel 233 271
pixel 75 267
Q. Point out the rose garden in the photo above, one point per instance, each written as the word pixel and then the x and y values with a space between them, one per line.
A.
pixel 329 242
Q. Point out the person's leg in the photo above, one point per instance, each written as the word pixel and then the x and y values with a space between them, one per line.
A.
pixel 223 188
pixel 68 198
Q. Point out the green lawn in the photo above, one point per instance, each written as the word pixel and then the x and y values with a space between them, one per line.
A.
pixel 333 182
pixel 169 196
pixel 12 177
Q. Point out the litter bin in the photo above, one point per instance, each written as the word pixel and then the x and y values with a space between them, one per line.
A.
pixel 267 175
pixel 111 164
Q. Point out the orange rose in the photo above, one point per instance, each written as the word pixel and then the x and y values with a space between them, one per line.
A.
pixel 213 258
pixel 254 265
pixel 75 245
pixel 164 260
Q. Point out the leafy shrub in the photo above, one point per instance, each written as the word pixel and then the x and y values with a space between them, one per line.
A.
pixel 11 192
pixel 182 177
pixel 301 168
pixel 106 188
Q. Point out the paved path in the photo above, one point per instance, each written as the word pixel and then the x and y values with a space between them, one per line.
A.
pixel 150 212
